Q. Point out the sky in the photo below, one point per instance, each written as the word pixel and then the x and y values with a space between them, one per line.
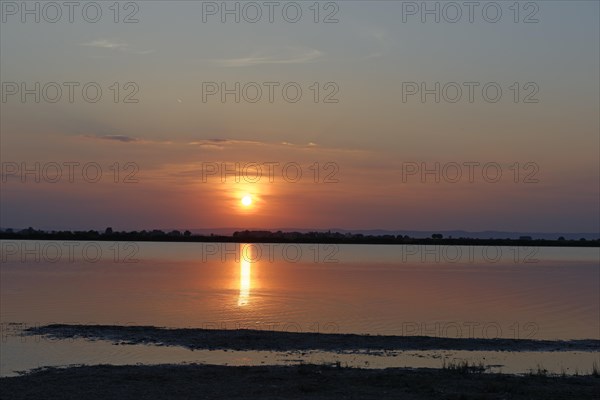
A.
pixel 348 114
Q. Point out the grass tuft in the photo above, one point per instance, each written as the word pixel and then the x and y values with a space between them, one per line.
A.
pixel 464 367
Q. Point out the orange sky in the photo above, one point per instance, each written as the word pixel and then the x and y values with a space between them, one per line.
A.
pixel 365 143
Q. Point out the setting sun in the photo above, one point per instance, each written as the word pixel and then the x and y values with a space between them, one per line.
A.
pixel 246 201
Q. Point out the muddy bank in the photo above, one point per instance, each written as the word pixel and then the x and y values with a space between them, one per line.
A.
pixel 286 341
pixel 297 382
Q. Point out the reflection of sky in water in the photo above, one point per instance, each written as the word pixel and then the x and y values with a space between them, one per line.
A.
pixel 25 353
pixel 314 288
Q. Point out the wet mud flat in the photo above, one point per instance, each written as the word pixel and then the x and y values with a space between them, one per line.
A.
pixel 242 339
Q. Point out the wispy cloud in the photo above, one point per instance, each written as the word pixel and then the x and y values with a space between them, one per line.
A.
pixel 118 138
pixel 106 44
pixel 221 143
pixel 142 52
pixel 115 45
pixel 224 144
pixel 284 56
pixel 126 139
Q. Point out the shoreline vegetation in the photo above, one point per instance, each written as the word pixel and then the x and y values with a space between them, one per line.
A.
pixel 285 237
pixel 187 381
pixel 247 339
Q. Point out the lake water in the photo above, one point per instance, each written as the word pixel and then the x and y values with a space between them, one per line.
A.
pixel 450 291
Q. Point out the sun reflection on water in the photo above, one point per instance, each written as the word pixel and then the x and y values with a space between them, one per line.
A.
pixel 245 274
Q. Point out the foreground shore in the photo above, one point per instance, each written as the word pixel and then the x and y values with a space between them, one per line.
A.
pixel 186 381
pixel 293 382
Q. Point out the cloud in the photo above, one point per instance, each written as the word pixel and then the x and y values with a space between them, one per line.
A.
pixel 222 141
pixel 127 139
pixel 285 56
pixel 118 138
pixel 106 44
pixel 115 45
pixel 219 144
pixel 228 144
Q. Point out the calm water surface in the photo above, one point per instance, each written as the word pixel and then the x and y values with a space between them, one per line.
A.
pixel 483 292
pixel 544 293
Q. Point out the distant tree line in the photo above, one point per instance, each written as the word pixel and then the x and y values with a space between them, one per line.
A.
pixel 282 237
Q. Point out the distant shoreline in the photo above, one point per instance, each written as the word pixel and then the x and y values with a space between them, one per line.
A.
pixel 286 237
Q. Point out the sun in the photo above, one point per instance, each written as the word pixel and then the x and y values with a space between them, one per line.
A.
pixel 246 201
